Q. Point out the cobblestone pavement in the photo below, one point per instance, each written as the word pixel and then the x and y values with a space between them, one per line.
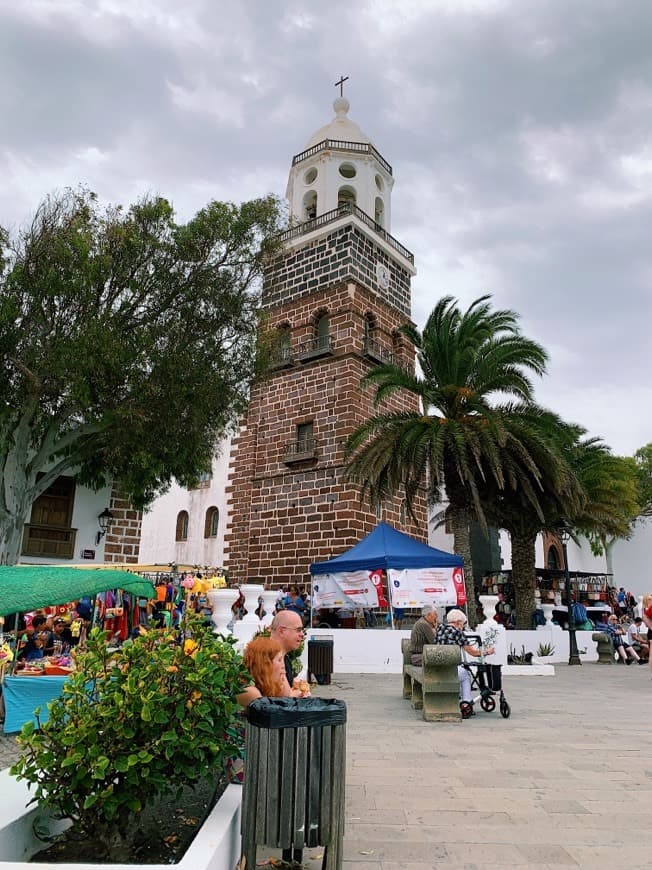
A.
pixel 9 751
pixel 566 781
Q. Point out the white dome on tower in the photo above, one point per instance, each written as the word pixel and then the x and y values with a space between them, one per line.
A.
pixel 341 127
pixel 339 173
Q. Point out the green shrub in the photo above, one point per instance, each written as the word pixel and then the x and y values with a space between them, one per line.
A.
pixel 133 726
pixel 522 658
pixel 545 649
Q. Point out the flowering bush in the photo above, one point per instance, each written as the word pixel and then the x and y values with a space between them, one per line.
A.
pixel 132 726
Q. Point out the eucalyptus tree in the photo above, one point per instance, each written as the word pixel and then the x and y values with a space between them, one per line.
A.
pixel 127 343
pixel 475 365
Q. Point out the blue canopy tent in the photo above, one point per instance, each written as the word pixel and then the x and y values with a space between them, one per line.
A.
pixel 385 548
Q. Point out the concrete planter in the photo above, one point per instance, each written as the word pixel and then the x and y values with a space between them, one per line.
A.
pixel 216 846
pixel 528 670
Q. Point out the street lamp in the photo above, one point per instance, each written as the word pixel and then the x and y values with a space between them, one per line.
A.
pixel 564 533
pixel 104 519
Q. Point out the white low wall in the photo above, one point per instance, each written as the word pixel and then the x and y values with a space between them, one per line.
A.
pixel 378 651
pixel 216 846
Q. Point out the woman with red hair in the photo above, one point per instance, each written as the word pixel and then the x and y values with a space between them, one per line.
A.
pixel 263 657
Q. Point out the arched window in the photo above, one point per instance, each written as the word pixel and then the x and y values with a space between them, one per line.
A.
pixel 379 211
pixel 212 522
pixel 285 336
pixel 310 205
pixel 369 325
pixel 346 196
pixel 322 330
pixel 552 559
pixel 181 533
pixel 282 349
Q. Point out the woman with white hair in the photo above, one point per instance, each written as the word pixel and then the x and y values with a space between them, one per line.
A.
pixel 452 634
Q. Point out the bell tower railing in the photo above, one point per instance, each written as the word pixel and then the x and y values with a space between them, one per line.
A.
pixel 341 145
pixel 341 211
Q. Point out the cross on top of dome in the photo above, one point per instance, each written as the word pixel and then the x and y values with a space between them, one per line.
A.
pixel 340 84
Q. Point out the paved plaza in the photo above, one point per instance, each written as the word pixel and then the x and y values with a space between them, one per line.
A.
pixel 566 781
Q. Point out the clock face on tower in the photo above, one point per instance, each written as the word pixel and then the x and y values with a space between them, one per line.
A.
pixel 382 276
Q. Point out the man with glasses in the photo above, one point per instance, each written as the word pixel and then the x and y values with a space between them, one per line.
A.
pixel 287 629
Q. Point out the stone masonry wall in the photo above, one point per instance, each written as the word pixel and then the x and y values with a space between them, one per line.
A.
pixel 284 516
pixel 343 255
pixel 122 541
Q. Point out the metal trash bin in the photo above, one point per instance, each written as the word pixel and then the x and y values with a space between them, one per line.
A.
pixel 320 658
pixel 293 795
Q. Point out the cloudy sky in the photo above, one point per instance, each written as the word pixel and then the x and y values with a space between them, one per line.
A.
pixel 519 133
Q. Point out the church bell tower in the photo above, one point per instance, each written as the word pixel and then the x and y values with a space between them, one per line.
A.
pixel 334 300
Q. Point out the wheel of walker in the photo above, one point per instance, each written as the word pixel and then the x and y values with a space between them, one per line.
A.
pixel 488 704
pixel 466 710
pixel 505 709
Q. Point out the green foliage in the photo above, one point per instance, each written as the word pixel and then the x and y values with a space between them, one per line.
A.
pixel 459 436
pixel 611 487
pixel 134 725
pixel 127 342
pixel 545 649
pixel 467 360
pixel 643 459
pixel 522 658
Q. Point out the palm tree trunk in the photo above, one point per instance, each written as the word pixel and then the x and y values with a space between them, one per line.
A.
pixel 462 546
pixel 524 576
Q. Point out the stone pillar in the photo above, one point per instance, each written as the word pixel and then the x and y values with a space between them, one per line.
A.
pixel 221 601
pixel 441 688
pixel 122 540
pixel 605 648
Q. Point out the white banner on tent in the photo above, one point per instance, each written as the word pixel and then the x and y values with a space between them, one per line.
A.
pixel 415 587
pixel 352 588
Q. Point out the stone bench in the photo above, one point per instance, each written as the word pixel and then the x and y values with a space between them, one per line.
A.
pixel 605 647
pixel 434 688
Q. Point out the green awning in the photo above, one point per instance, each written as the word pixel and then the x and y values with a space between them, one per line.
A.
pixel 26 587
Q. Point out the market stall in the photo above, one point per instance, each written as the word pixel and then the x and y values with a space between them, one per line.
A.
pixel 29 587
pixel 388 568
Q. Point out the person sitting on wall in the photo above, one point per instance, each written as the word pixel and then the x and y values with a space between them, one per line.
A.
pixel 636 639
pixel 609 625
pixel 423 633
pixel 263 657
pixel 452 634
pixel 287 629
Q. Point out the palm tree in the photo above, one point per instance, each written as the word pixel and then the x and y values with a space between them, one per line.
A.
pixel 558 493
pixel 470 361
pixel 579 479
pixel 613 495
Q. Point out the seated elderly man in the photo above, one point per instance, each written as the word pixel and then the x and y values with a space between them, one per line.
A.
pixel 422 633
pixel 452 634
pixel 637 641
pixel 623 650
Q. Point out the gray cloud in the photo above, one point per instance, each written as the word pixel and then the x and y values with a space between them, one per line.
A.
pixel 518 134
